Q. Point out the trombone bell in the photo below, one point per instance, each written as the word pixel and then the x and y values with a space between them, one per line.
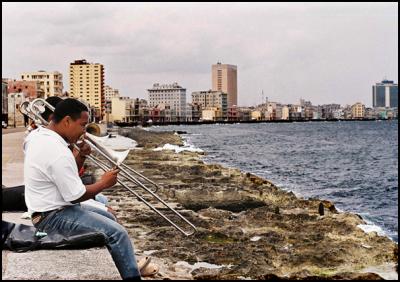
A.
pixel 118 157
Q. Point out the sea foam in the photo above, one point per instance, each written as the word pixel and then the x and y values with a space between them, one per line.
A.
pixel 178 149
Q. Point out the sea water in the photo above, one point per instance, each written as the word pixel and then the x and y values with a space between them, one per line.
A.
pixel 354 164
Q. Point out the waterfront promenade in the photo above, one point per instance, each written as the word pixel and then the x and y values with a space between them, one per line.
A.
pixel 278 235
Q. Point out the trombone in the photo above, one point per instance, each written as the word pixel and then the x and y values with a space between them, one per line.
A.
pixel 37 106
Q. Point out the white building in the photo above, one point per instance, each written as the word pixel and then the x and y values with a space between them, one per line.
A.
pixel 15 100
pixel 285 112
pixel 50 82
pixel 210 113
pixel 171 95
pixel 338 114
pixel 110 93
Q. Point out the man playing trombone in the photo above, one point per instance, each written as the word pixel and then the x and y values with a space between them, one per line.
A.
pixel 53 189
pixel 80 157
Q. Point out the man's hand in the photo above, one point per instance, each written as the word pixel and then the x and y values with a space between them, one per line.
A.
pixel 84 149
pixel 109 178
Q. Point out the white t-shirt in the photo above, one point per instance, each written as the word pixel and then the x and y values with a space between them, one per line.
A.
pixel 50 172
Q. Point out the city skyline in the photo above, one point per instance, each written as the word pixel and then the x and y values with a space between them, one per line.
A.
pixel 331 53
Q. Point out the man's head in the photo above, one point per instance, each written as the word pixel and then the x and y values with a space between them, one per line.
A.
pixel 70 118
pixel 52 100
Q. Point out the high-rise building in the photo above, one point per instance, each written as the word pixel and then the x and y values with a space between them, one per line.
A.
pixel 171 96
pixel 224 78
pixel 385 94
pixel 87 83
pixel 49 82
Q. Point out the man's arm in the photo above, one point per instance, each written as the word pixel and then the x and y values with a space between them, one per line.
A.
pixel 108 179
pixel 80 155
pixel 79 158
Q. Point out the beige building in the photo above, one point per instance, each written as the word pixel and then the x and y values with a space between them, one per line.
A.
pixel 206 99
pixel 358 110
pixel 49 82
pixel 15 117
pixel 87 83
pixel 274 111
pixel 211 113
pixel 121 109
pixel 224 78
pixel 256 115
pixel 285 112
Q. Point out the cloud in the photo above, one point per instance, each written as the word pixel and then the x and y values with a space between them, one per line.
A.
pixel 323 53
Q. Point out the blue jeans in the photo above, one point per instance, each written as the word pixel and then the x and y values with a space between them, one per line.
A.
pixel 88 218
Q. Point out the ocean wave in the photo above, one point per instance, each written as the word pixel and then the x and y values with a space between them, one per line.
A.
pixel 368 228
pixel 179 149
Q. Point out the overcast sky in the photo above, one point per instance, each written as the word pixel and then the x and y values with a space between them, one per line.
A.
pixel 325 53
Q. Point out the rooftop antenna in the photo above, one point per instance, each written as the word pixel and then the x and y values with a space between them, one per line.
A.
pixel 262 96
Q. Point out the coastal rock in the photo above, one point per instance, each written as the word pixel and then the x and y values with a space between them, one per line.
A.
pixel 246 226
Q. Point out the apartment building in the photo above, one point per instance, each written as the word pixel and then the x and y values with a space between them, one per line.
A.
pixel 211 99
pixel 87 83
pixel 31 89
pixel 51 83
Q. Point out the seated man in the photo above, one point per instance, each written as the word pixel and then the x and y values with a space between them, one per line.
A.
pixel 80 156
pixel 54 191
pixel 13 197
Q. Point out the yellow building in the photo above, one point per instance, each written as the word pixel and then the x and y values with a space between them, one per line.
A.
pixel 256 115
pixel 87 83
pixel 49 82
pixel 358 110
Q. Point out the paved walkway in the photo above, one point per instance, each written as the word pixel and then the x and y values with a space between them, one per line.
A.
pixel 12 159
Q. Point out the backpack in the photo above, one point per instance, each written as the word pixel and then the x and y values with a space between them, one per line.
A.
pixel 23 238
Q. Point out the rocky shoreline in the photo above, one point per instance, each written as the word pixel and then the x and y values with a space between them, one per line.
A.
pixel 247 228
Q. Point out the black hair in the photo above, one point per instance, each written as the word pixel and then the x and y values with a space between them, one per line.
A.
pixel 69 107
pixel 52 100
